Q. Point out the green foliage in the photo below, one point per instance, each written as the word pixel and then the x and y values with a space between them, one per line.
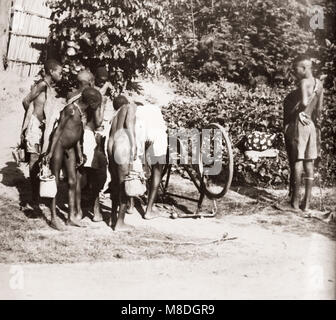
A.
pixel 121 34
pixel 238 40
pixel 326 38
pixel 249 42
pixel 245 42
pixel 243 111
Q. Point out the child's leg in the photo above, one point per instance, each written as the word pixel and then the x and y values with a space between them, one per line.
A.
pixel 130 206
pixel 155 182
pixel 291 176
pixel 121 156
pixel 94 177
pixel 309 180
pixel 70 164
pixel 56 165
pixel 298 169
pixel 79 212
pixel 123 199
pixel 33 174
pixel 114 192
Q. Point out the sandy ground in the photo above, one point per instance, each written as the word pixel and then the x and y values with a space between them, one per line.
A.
pixel 270 257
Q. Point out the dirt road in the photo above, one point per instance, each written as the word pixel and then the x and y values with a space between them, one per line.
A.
pixel 261 264
pixel 269 259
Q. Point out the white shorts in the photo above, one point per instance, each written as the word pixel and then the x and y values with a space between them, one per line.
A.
pixel 34 135
pixel 89 146
pixel 151 128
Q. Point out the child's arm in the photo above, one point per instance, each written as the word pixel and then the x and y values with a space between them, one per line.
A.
pixel 27 117
pixel 304 94
pixel 104 88
pixel 99 115
pixel 79 153
pixel 318 123
pixel 319 109
pixel 110 142
pixel 33 94
pixel 64 117
pixel 304 102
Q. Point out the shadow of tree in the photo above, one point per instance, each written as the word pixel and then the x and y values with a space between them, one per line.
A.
pixel 12 176
pixel 255 193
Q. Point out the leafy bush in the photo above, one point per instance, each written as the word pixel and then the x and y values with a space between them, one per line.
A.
pixel 238 40
pixel 243 111
pixel 122 35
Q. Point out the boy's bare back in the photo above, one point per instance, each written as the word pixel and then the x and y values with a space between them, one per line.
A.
pixel 311 90
pixel 125 113
pixel 37 95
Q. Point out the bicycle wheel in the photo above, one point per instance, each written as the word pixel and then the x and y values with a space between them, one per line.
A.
pixel 216 165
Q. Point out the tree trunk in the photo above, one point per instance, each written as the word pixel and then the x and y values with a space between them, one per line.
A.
pixel 5 6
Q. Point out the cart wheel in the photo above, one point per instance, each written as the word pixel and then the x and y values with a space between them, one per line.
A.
pixel 216 165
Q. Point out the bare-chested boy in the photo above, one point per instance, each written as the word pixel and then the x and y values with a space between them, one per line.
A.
pixel 34 122
pixel 129 133
pixel 74 117
pixel 302 125
pixel 99 175
pixel 91 147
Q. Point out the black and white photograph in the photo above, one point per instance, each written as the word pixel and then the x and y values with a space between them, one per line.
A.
pixel 167 150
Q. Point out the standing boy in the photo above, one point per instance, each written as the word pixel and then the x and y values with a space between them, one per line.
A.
pixel 91 148
pixel 64 142
pixel 302 126
pixel 132 129
pixel 36 105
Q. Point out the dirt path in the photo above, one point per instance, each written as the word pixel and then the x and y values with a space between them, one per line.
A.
pixel 262 264
pixel 270 259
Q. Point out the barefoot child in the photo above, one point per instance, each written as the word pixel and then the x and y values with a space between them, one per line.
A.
pixel 128 136
pixel 33 129
pixel 302 131
pixel 63 148
pixel 93 148
pixel 87 174
pixel 99 175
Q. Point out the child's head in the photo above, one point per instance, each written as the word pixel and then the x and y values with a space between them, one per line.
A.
pixel 101 76
pixel 85 79
pixel 302 66
pixel 54 69
pixel 119 101
pixel 92 98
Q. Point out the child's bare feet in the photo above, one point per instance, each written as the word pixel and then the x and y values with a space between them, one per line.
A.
pixel 152 214
pixel 288 208
pixel 97 216
pixel 330 217
pixel 74 222
pixel 79 215
pixel 131 210
pixel 55 223
pixel 122 226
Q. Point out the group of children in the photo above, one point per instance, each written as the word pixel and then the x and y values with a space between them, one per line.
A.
pixel 78 137
pixel 82 129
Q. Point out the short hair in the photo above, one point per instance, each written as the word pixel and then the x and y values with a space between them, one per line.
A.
pixel 302 57
pixel 51 65
pixel 101 72
pixel 92 97
pixel 119 101
pixel 85 77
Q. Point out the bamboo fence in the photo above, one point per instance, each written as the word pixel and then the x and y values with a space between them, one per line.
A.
pixel 29 30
